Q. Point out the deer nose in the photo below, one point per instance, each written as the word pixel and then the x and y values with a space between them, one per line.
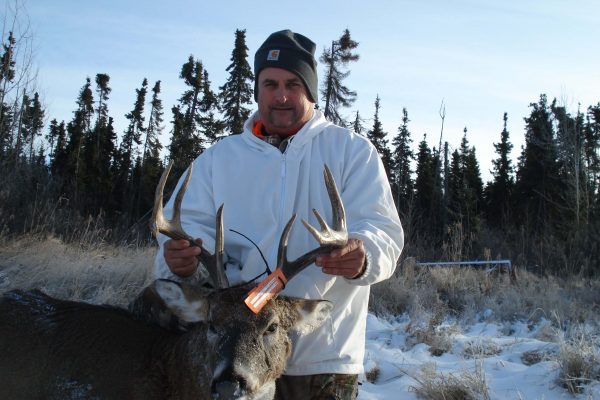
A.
pixel 228 386
pixel 225 390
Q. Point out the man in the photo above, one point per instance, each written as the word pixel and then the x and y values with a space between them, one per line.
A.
pixel 274 169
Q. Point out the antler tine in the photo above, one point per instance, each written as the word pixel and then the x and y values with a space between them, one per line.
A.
pixel 216 271
pixel 328 238
pixel 283 241
pixel 338 235
pixel 173 229
pixel 159 223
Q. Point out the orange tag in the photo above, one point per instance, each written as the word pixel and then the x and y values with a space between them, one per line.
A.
pixel 266 290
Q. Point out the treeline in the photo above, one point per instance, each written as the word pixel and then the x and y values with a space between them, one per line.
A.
pixel 543 211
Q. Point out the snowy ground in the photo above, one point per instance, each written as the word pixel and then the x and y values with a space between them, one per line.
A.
pixel 497 349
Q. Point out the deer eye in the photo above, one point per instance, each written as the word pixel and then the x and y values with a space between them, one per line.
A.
pixel 272 328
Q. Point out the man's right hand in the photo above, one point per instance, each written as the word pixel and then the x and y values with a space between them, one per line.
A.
pixel 180 256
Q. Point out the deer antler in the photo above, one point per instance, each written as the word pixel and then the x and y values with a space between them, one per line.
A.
pixel 172 228
pixel 328 238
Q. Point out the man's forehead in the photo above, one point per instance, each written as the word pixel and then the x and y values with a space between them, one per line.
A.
pixel 277 74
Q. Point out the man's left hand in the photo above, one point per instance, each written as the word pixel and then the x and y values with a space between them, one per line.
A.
pixel 348 261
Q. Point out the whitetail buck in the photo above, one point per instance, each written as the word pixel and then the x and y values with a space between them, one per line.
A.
pixel 177 342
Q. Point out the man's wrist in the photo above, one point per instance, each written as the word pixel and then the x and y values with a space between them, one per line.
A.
pixel 362 270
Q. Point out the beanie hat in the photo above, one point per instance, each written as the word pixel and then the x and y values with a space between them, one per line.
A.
pixel 291 51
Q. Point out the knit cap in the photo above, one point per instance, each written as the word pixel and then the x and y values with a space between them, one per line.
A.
pixel 293 52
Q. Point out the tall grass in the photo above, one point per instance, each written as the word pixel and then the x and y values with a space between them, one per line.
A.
pixel 473 295
pixel 463 385
pixel 79 271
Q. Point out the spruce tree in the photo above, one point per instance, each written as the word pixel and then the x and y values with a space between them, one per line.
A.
pixel 7 76
pixel 22 128
pixel 78 129
pixel 211 127
pixel 455 194
pixel 126 188
pixel 357 124
pixel 473 187
pixel 537 184
pixel 186 141
pixel 6 125
pixel 151 164
pixel 570 140
pixel 335 93
pixel 236 94
pixel 498 195
pixel 35 123
pixel 378 137
pixel 592 149
pixel 424 182
pixel 98 153
pixel 58 155
pixel 403 158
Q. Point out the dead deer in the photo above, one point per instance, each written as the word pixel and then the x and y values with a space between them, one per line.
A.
pixel 176 342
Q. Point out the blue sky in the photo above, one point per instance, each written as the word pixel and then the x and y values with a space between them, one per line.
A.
pixel 481 58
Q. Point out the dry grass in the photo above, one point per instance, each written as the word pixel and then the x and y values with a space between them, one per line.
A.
pixel 427 328
pixel 481 348
pixel 579 360
pixel 536 356
pixel 471 295
pixel 102 274
pixel 465 385
pixel 373 374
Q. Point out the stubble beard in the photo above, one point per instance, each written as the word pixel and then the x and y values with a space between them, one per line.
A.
pixel 283 119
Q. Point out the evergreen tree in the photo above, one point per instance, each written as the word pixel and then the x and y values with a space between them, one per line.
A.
pixel 125 189
pixel 211 127
pixel 151 165
pixel 570 140
pixel 7 75
pixel 99 149
pixel 455 193
pixel 334 92
pixel 22 128
pixel 378 137
pixel 498 194
pixel 537 177
pixel 186 142
pixel 7 62
pixel 424 182
pixel 78 129
pixel 58 155
pixel 592 150
pixel 237 92
pixel 357 125
pixel 473 187
pixel 34 117
pixel 6 125
pixel 402 159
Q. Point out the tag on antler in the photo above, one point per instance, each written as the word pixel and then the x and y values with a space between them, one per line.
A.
pixel 266 290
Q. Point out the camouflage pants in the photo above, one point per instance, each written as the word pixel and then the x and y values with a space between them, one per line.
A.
pixel 317 387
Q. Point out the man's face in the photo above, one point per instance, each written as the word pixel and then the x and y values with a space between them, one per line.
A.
pixel 283 104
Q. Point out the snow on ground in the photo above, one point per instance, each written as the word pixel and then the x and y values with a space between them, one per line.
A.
pixel 497 349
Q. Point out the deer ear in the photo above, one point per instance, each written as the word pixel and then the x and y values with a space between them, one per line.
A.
pixel 312 314
pixel 149 307
pixel 187 303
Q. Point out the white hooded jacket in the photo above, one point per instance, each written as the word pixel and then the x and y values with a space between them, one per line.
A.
pixel 261 188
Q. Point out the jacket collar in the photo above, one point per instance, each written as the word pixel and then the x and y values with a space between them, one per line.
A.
pixel 311 128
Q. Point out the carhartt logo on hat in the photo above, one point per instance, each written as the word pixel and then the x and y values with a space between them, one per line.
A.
pixel 273 55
